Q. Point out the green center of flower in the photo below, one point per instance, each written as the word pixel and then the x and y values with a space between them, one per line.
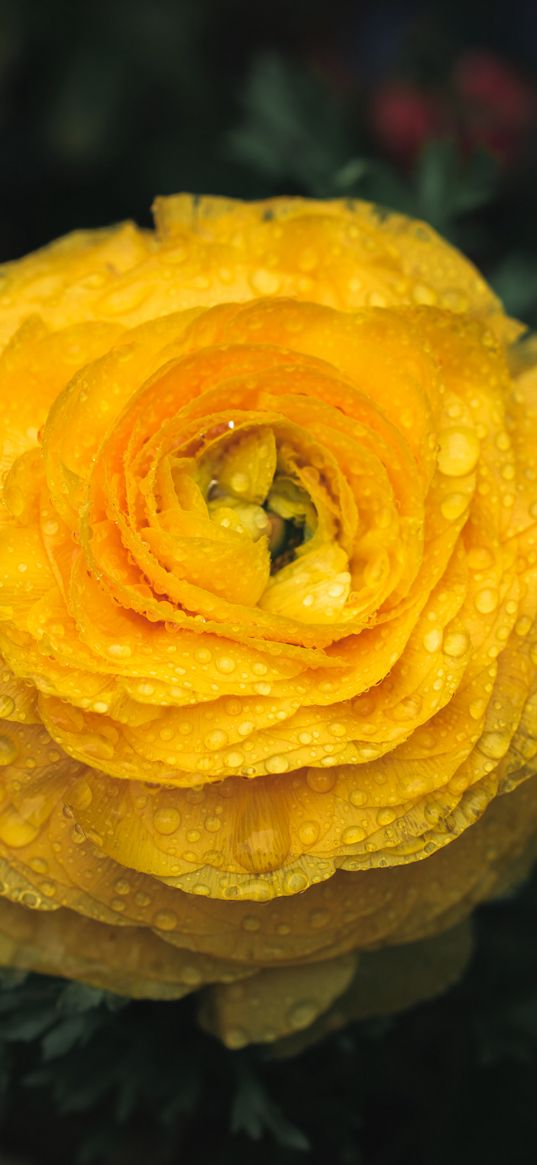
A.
pixel 260 487
pixel 286 516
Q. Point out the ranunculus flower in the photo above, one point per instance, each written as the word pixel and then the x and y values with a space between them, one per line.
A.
pixel 268 595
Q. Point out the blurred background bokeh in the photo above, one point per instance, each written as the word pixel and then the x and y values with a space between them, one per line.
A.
pixel 427 106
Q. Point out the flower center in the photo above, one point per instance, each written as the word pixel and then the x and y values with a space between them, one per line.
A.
pixel 275 516
pixel 286 517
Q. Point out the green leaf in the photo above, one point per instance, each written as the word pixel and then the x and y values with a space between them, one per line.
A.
pixel 66 1034
pixel 447 187
pixel 293 130
pixel 254 1113
pixel 515 281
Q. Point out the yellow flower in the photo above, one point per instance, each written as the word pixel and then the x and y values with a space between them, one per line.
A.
pixel 267 611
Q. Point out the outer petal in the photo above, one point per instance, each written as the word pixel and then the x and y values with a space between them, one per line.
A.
pixel 388 981
pixel 276 1002
pixel 130 961
pixel 343 253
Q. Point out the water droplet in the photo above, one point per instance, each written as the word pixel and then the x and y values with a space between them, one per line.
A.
pixel 39 865
pixel 480 558
pixel 215 740
pixel 486 600
pixel 8 750
pixel 459 452
pixel 250 923
pixel 408 708
pixel 432 639
pixel 456 643
pixel 29 899
pixel 166 820
pixel 352 835
pixel 318 919
pixel 294 881
pixel 386 816
pixel 122 886
pixel 453 506
pixel 494 745
pixel 423 294
pixel 320 782
pixel 305 737
pixel 234 759
pixel 203 655
pixel 276 764
pixel 165 920
pixel 119 650
pixel 265 282
pixel 308 832
pixel 225 664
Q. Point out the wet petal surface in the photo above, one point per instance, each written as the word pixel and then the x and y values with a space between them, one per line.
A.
pixel 268 601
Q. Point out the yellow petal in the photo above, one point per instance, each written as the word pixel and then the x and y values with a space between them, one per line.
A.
pixel 275 1003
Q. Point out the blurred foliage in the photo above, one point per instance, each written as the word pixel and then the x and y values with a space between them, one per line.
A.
pixel 298 138
pixel 293 133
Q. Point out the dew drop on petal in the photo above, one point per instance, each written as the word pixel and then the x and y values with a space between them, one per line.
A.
pixel 458 453
pixel 276 764
pixel 432 639
pixel 294 882
pixel 165 920
pixel 8 751
pixel 225 665
pixel 486 601
pixel 216 739
pixel 453 506
pixel 119 650
pixel 320 782
pixel 318 919
pixel 352 835
pixel 456 643
pixel 167 820
pixel 308 832
pixel 250 923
